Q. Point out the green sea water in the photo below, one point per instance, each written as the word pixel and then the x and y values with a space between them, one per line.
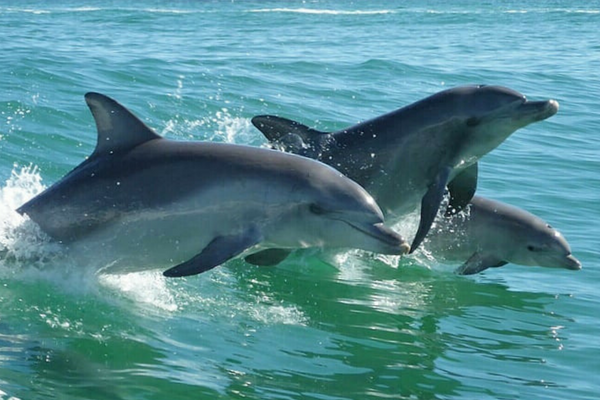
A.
pixel 319 326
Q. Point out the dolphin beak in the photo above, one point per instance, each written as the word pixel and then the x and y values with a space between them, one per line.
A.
pixel 393 242
pixel 572 263
pixel 539 110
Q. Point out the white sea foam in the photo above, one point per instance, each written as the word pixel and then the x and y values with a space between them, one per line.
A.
pixel 147 288
pixel 20 239
pixel 213 295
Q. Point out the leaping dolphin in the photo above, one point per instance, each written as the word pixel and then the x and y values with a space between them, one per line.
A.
pixel 407 157
pixel 150 202
pixel 490 234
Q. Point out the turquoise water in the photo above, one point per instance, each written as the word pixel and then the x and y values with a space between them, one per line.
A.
pixel 319 326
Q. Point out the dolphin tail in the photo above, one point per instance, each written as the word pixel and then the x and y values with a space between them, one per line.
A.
pixel 290 136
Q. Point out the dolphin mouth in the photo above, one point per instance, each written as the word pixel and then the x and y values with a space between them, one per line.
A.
pixel 393 241
pixel 538 110
pixel 572 263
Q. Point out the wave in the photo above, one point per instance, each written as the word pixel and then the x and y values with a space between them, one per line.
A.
pixel 322 11
pixel 24 10
pixel 96 9
pixel 312 11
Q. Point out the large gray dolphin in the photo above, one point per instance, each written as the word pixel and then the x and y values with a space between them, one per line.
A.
pixel 407 157
pixel 152 202
pixel 490 234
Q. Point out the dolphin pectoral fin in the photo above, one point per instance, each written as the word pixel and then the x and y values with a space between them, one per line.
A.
pixel 430 205
pixel 462 189
pixel 276 128
pixel 268 258
pixel 219 250
pixel 479 262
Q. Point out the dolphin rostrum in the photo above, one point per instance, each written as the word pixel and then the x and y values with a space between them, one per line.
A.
pixel 408 157
pixel 150 202
pixel 488 234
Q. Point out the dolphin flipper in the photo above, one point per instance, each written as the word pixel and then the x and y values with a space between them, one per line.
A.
pixel 430 205
pixel 479 262
pixel 462 189
pixel 219 250
pixel 267 258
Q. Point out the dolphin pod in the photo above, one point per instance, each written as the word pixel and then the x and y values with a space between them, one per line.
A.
pixel 407 158
pixel 149 202
pixel 490 234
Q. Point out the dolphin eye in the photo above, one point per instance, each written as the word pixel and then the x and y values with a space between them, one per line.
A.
pixel 549 226
pixel 533 248
pixel 473 121
pixel 316 209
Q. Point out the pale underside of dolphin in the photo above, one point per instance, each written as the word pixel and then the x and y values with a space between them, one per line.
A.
pixel 490 234
pixel 144 202
pixel 407 158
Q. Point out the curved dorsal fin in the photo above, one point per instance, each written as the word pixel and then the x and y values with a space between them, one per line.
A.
pixel 275 128
pixel 118 129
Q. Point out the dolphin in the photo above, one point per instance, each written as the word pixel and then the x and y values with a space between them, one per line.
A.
pixel 488 234
pixel 146 201
pixel 408 157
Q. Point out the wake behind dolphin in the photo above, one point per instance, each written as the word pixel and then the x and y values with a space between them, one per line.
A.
pixel 147 202
pixel 406 158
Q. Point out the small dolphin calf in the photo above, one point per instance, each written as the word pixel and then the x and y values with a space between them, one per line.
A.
pixel 490 234
pixel 151 202
pixel 406 158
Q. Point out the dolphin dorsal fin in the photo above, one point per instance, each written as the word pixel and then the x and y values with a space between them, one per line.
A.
pixel 275 128
pixel 118 129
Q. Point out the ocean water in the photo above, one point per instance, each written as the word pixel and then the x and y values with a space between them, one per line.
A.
pixel 318 326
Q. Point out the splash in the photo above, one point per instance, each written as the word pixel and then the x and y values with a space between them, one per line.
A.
pixel 148 289
pixel 215 295
pixel 26 253
pixel 232 129
pixel 20 239
pixel 225 128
